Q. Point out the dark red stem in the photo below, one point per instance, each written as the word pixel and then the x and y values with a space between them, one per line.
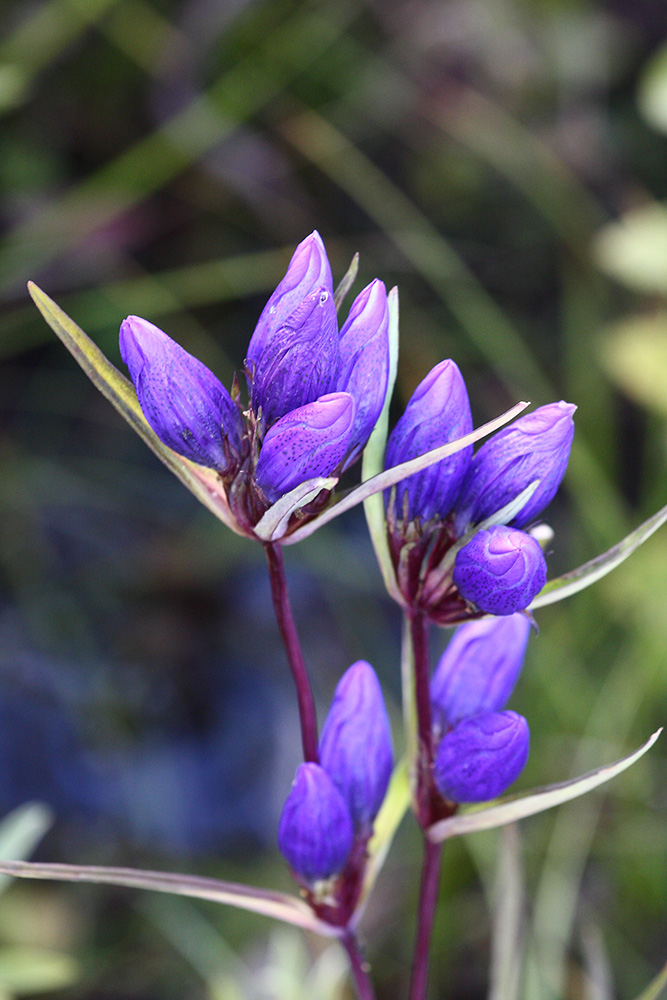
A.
pixel 292 645
pixel 360 975
pixel 428 898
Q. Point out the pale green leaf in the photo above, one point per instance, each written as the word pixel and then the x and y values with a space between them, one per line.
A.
pixel 21 830
pixel 519 807
pixel 347 281
pixel 508 919
pixel 277 905
pixel 204 483
pixel 633 250
pixel 34 970
pixel 652 93
pixel 582 577
pixel 273 524
pixel 634 353
pixel 394 807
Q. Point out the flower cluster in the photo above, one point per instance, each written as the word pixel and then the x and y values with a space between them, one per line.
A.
pixel 480 749
pixel 315 393
pixel 455 527
pixel 327 819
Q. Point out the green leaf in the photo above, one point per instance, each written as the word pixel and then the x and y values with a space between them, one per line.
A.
pixel 21 830
pixel 652 94
pixel 389 477
pixel 204 483
pixel 347 281
pixel 518 807
pixel 273 524
pixel 582 577
pixel 508 919
pixel 656 987
pixel 387 822
pixel 34 970
pixel 634 353
pixel 633 249
pixel 277 905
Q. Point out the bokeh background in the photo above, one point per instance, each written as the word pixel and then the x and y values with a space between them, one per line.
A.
pixel 504 162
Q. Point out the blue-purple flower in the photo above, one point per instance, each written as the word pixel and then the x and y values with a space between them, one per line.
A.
pixel 454 527
pixel 315 393
pixel 322 832
pixel 480 749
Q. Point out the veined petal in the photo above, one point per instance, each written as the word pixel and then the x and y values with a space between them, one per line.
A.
pixel 355 746
pixel 479 669
pixel 364 364
pixel 500 570
pixel 478 759
pixel 308 442
pixel 437 413
pixel 186 405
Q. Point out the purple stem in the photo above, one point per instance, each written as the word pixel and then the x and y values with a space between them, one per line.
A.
pixel 419 634
pixel 290 638
pixel 428 897
pixel 362 980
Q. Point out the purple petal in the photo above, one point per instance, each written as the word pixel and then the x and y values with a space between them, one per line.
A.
pixel 308 270
pixel 438 412
pixel 479 669
pixel 299 362
pixel 536 446
pixel 478 759
pixel 308 442
pixel 364 353
pixel 186 405
pixel 355 747
pixel 315 831
pixel 500 570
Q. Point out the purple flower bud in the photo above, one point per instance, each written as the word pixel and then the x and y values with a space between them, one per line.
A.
pixel 355 747
pixel 364 352
pixel 308 442
pixel 182 400
pixel 308 270
pixel 536 446
pixel 482 756
pixel 478 670
pixel 500 570
pixel 438 412
pixel 315 832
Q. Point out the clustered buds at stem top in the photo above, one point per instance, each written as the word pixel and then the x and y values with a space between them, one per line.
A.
pixel 453 528
pixel 355 763
pixel 315 394
pixel 480 749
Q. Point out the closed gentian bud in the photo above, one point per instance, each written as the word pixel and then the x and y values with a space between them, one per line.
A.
pixel 308 442
pixel 438 412
pixel 355 747
pixel 315 832
pixel 500 570
pixel 308 270
pixel 186 405
pixel 535 447
pixel 478 759
pixel 364 361
pixel 478 670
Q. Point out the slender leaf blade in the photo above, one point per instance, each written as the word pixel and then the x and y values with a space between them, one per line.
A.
pixel 519 807
pixel 656 987
pixel 387 822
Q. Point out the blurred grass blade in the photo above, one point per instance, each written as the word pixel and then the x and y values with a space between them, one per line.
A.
pixel 277 905
pixel 346 282
pixel 507 933
pixel 656 988
pixel 388 820
pixel 204 483
pixel 389 477
pixel 20 832
pixel 35 970
pixel 519 807
pixel 373 460
pixel 582 577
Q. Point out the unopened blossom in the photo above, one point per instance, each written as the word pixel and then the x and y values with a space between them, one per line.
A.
pixel 500 570
pixel 481 756
pixel 314 394
pixel 315 832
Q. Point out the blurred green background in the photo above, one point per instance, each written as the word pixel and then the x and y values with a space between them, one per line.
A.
pixel 505 163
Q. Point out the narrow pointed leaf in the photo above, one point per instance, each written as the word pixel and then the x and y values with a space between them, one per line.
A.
pixel 277 905
pixel 373 460
pixel 394 475
pixel 508 919
pixel 582 577
pixel 21 830
pixel 204 483
pixel 656 988
pixel 387 822
pixel 518 807
pixel 347 281
pixel 273 524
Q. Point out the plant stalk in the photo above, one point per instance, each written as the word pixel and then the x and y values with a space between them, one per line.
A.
pixel 428 898
pixel 285 619
pixel 359 967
